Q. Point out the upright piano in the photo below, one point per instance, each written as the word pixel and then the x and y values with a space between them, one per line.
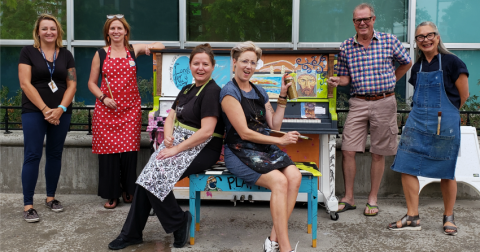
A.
pixel 313 113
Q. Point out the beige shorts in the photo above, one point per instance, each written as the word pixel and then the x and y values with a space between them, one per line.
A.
pixel 381 117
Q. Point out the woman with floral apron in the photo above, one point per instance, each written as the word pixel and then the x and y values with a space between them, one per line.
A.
pixel 117 116
pixel 250 152
pixel 192 143
pixel 431 138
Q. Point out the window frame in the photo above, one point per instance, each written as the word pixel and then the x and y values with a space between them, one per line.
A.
pixel 182 43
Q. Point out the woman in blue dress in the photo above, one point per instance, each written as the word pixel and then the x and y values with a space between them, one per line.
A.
pixel 429 146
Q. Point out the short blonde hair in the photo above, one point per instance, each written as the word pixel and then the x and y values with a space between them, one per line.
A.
pixel 244 47
pixel 106 28
pixel 36 36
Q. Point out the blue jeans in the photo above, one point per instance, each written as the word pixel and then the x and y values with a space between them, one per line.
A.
pixel 34 130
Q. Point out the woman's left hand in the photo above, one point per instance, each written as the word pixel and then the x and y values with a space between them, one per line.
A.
pixel 53 116
pixel 167 152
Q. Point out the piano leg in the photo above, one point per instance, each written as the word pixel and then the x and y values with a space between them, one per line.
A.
pixel 327 168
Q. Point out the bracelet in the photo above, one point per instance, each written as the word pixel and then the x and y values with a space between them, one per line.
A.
pixel 283 97
pixel 281 102
pixel 282 106
pixel 43 108
pixel 103 98
pixel 63 108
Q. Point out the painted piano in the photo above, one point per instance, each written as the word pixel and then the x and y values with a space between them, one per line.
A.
pixel 312 114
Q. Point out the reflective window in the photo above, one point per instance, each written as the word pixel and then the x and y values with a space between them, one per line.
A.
pixel 221 20
pixel 331 20
pixel 18 17
pixel 149 20
pixel 9 68
pixel 472 60
pixel 83 63
pixel 454 18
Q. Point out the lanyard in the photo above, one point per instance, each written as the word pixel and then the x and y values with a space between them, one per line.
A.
pixel 51 70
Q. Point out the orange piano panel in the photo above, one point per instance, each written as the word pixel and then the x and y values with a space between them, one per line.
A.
pixel 303 150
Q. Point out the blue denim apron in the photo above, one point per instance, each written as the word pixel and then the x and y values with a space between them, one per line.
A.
pixel 421 152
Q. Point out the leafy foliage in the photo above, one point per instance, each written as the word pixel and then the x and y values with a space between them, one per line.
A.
pixel 19 16
pixel 227 20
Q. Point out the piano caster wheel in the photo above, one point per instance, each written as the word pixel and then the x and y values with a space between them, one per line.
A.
pixel 334 216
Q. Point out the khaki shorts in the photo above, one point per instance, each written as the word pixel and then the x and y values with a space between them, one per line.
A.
pixel 381 117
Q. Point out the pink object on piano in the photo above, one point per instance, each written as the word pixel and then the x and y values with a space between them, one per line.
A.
pixel 155 128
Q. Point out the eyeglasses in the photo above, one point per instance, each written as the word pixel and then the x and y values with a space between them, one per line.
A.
pixel 365 20
pixel 110 16
pixel 430 36
pixel 246 62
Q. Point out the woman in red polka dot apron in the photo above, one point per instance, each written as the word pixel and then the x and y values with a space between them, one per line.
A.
pixel 117 117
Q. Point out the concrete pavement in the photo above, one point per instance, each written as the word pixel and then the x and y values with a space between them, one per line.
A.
pixel 86 226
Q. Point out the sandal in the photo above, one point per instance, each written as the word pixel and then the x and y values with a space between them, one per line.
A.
pixel 127 198
pixel 451 220
pixel 112 203
pixel 370 207
pixel 346 207
pixel 407 223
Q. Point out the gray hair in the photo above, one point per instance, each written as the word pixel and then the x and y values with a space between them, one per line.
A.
pixel 245 46
pixel 441 47
pixel 363 6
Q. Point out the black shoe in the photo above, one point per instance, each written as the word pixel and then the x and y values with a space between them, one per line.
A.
pixel 120 243
pixel 181 235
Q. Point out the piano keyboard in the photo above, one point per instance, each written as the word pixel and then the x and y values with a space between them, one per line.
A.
pixel 302 120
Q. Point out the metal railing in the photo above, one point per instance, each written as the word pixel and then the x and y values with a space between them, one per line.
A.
pixel 86 126
pixel 402 116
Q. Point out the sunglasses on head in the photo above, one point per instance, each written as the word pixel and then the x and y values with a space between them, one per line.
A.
pixel 110 16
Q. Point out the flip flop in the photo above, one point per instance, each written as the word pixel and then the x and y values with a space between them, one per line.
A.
pixel 347 207
pixel 370 207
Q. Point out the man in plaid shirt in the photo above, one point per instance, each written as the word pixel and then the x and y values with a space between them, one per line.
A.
pixel 366 61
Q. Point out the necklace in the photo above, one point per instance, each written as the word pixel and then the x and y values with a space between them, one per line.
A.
pixel 49 58
pixel 253 108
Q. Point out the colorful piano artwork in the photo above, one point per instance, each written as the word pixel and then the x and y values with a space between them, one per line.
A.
pixel 312 114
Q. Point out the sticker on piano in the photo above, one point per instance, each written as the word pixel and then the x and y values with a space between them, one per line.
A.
pixel 319 110
pixel 307 109
pixel 211 184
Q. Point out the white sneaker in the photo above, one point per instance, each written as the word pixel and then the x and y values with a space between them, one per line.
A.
pixel 270 246
pixel 295 248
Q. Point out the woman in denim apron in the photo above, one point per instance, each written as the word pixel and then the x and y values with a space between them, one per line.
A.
pixel 430 143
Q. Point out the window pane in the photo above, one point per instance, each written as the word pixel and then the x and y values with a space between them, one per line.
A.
pixel 18 17
pixel 331 20
pixel 83 63
pixel 226 20
pixel 9 68
pixel 472 60
pixel 149 20
pixel 454 18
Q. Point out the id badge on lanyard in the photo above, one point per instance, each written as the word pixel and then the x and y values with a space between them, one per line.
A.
pixel 51 84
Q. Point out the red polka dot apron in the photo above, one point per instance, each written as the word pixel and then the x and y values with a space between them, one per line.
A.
pixel 117 131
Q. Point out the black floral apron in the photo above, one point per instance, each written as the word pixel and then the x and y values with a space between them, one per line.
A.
pixel 261 158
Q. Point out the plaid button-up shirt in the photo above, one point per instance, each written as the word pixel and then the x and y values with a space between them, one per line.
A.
pixel 371 69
